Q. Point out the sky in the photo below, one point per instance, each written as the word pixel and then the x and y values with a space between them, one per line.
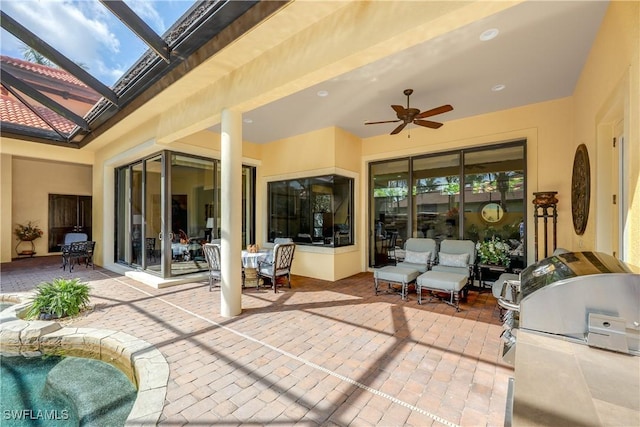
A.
pixel 87 33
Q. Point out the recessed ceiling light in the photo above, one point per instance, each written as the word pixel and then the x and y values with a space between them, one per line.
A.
pixel 489 34
pixel 247 120
pixel 323 93
pixel 498 88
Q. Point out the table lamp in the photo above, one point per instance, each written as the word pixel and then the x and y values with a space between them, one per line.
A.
pixel 207 229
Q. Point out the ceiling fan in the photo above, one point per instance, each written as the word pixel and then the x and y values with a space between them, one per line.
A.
pixel 413 115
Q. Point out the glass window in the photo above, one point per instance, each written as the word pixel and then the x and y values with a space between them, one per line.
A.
pixel 494 198
pixel 389 182
pixel 315 211
pixel 436 189
pixel 491 203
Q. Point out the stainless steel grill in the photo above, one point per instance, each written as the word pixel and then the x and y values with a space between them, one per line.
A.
pixel 587 297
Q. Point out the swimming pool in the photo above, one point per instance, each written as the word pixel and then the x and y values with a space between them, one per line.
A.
pixel 39 391
pixel 139 362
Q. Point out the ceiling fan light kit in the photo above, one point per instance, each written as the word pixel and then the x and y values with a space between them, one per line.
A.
pixel 413 115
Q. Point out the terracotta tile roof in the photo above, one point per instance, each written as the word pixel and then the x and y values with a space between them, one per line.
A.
pixel 51 72
pixel 13 111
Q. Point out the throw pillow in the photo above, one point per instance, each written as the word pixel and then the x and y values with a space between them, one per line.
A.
pixel 453 260
pixel 417 257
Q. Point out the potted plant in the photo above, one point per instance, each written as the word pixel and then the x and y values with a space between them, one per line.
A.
pixel 59 298
pixel 27 233
pixel 494 251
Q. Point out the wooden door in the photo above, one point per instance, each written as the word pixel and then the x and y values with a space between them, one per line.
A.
pixel 68 214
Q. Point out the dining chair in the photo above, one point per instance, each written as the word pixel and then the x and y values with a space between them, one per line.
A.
pixel 279 266
pixel 212 255
pixel 150 248
pixel 391 247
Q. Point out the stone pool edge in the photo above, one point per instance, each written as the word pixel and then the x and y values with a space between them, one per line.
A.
pixel 144 364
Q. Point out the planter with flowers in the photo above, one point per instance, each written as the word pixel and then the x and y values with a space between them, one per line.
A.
pixel 27 233
pixel 494 252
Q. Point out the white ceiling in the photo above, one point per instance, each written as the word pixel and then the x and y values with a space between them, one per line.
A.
pixel 538 55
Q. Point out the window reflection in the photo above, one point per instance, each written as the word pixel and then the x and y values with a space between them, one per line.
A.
pixel 471 194
pixel 436 183
pixel 315 211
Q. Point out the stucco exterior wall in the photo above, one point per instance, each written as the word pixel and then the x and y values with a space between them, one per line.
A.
pixel 32 182
pixel 545 126
pixel 607 102
pixel 325 151
pixel 608 92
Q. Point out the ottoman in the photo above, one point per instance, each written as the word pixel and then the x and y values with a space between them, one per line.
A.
pixel 394 274
pixel 442 281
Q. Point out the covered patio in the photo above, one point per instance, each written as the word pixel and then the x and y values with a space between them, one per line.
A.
pixel 320 353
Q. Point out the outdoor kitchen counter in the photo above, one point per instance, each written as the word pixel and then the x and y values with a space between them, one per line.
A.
pixel 559 383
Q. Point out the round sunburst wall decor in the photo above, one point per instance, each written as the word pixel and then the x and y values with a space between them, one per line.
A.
pixel 580 189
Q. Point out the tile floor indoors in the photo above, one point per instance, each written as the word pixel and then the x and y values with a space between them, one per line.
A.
pixel 320 353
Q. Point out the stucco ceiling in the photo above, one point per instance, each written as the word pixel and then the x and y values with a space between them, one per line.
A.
pixel 538 55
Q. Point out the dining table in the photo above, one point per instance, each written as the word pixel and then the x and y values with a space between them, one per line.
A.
pixel 250 262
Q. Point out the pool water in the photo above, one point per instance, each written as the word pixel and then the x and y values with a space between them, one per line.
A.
pixel 63 391
pixel 24 396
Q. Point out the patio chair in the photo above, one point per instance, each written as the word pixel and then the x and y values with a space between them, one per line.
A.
pixel 77 251
pixel 419 254
pixel 280 266
pixel 89 249
pixel 212 255
pixel 456 256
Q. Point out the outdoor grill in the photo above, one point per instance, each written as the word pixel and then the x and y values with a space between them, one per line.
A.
pixel 586 297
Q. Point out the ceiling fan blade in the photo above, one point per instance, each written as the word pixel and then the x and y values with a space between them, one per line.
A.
pixel 398 129
pixel 428 124
pixel 384 121
pixel 438 110
pixel 398 109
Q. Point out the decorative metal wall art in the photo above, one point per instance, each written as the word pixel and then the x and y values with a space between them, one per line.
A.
pixel 580 189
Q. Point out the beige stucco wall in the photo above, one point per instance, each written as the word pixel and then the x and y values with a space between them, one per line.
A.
pixel 608 92
pixel 32 182
pixel 607 101
pixel 545 126
pixel 321 152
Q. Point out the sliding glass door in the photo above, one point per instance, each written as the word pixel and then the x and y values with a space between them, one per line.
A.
pixel 436 183
pixel 475 194
pixel 168 206
pixel 494 193
pixel 389 206
pixel 192 195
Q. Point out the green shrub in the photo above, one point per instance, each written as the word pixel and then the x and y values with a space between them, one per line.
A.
pixel 59 298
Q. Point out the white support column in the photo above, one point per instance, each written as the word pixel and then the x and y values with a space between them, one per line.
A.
pixel 231 207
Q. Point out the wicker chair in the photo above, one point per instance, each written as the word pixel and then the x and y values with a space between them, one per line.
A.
pixel 212 255
pixel 280 266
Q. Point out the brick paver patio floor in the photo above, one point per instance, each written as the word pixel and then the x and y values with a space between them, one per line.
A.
pixel 320 353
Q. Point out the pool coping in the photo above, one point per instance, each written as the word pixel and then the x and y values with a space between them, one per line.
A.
pixel 143 364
